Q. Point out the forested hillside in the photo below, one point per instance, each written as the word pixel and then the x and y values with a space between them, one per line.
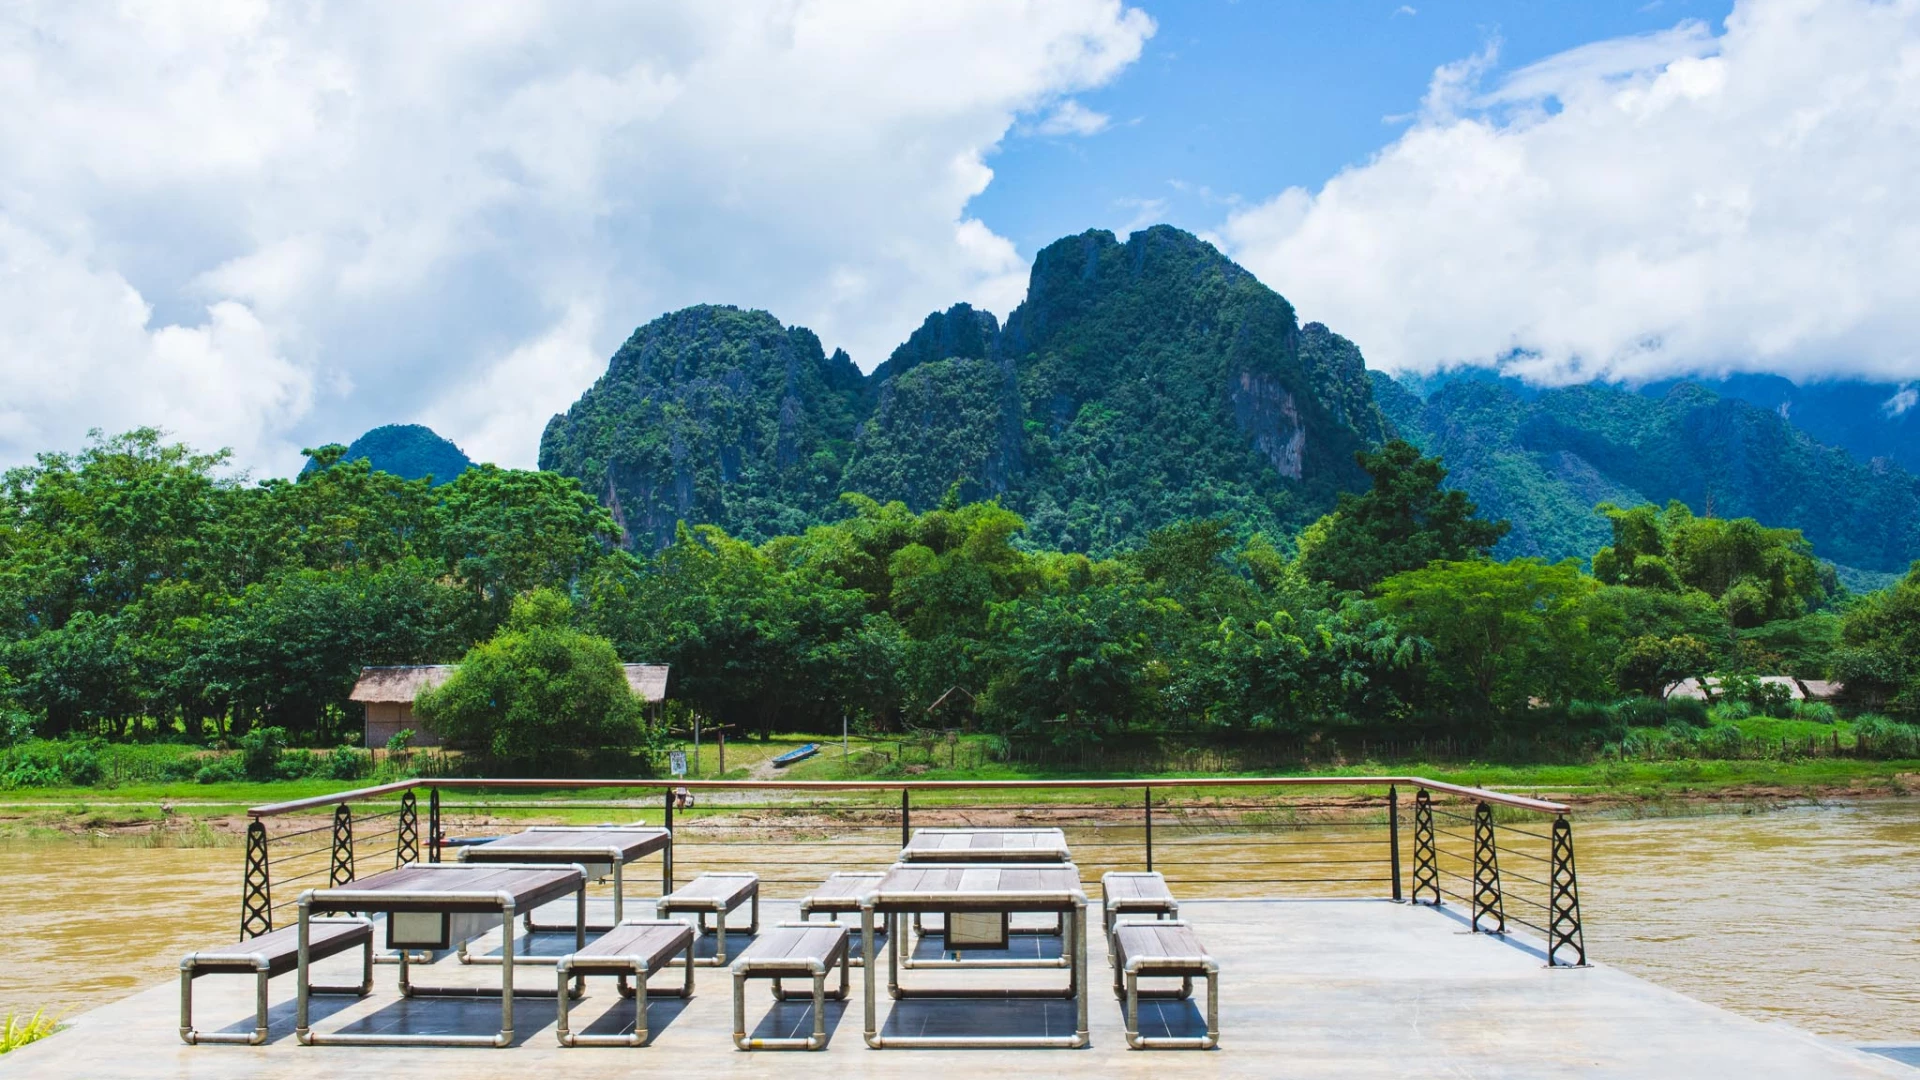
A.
pixel 1140 383
pixel 1543 458
pixel 409 451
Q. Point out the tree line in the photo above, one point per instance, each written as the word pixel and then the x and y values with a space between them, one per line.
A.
pixel 145 592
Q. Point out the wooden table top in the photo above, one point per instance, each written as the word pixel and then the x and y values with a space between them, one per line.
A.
pixel 986 845
pixel 572 844
pixel 1023 887
pixel 451 887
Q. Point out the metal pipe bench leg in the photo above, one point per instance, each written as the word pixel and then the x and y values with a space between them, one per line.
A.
pixel 819 995
pixel 637 968
pixel 189 971
pixel 1208 1041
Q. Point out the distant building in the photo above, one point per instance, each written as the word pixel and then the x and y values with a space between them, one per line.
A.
pixel 1797 689
pixel 389 693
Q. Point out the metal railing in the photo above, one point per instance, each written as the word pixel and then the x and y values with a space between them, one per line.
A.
pixel 1264 836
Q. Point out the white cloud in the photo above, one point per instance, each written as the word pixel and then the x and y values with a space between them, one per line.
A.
pixel 1900 402
pixel 1072 118
pixel 1660 204
pixel 268 225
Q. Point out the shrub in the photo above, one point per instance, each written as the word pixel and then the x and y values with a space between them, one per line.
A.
pixel 80 764
pixel 1817 711
pixel 223 769
pixel 260 751
pixel 1882 738
pixel 347 763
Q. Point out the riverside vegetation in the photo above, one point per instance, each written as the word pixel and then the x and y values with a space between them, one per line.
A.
pixel 1152 515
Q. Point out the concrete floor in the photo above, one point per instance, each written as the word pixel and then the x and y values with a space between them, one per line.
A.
pixel 1308 989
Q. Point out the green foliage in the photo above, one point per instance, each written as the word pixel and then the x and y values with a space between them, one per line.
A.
pixel 1504 633
pixel 17 1031
pixel 1759 575
pixel 1139 384
pixel 260 751
pixel 536 693
pixel 1650 663
pixel 1403 522
pixel 144 593
pixel 409 451
pixel 1879 660
pixel 1542 458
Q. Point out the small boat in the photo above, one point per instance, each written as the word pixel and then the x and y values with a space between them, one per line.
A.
pixel 792 756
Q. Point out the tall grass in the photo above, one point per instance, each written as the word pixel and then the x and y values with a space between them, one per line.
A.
pixel 17 1031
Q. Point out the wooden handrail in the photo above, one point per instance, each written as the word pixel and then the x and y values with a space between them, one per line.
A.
pixel 1477 794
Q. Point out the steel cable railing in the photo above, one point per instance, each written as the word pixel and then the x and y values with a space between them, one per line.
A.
pixel 1436 844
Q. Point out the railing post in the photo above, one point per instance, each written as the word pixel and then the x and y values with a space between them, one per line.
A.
pixel 342 846
pixel 1563 901
pixel 1426 871
pixel 1393 836
pixel 1486 873
pixel 256 890
pixel 906 817
pixel 433 824
pixel 406 844
pixel 666 857
pixel 1149 820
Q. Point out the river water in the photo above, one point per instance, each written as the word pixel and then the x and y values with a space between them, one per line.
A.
pixel 1808 915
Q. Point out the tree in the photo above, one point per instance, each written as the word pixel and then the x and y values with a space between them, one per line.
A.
pixel 1083 657
pixel 1879 661
pixel 1503 633
pixel 1649 664
pixel 1404 522
pixel 538 693
pixel 1758 575
pixel 506 531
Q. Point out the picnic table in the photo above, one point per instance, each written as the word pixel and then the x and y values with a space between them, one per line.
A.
pixel 986 845
pixel 600 849
pixel 972 889
pixel 434 906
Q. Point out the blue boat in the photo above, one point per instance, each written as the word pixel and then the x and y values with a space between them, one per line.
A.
pixel 792 756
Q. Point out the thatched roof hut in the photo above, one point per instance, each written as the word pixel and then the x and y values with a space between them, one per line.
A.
pixel 389 693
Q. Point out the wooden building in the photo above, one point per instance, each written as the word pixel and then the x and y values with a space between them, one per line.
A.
pixel 388 694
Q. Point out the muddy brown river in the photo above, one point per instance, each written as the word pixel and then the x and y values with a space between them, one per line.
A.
pixel 1809 915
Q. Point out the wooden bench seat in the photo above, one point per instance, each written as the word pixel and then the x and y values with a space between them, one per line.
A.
pixel 840 895
pixel 635 948
pixel 1132 892
pixel 274 953
pixel 1163 948
pixel 716 894
pixel 792 950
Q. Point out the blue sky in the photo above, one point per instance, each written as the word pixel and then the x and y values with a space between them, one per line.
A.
pixel 269 224
pixel 1235 101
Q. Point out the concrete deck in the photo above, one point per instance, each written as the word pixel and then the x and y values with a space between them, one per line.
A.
pixel 1308 989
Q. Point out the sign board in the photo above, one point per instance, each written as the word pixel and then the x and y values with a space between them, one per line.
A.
pixel 677 761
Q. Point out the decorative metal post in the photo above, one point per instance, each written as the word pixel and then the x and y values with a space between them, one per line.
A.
pixel 406 844
pixel 666 857
pixel 906 817
pixel 1149 820
pixel 256 891
pixel 1563 900
pixel 433 824
pixel 1486 873
pixel 342 846
pixel 1393 836
pixel 1426 870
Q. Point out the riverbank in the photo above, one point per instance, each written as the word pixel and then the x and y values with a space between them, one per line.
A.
pixel 213 815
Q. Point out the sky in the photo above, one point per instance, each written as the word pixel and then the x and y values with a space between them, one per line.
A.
pixel 267 226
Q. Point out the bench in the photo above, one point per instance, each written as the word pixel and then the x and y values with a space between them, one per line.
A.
pixel 270 954
pixel 636 948
pixel 1157 948
pixel 840 895
pixel 716 894
pixel 792 950
pixel 1132 892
